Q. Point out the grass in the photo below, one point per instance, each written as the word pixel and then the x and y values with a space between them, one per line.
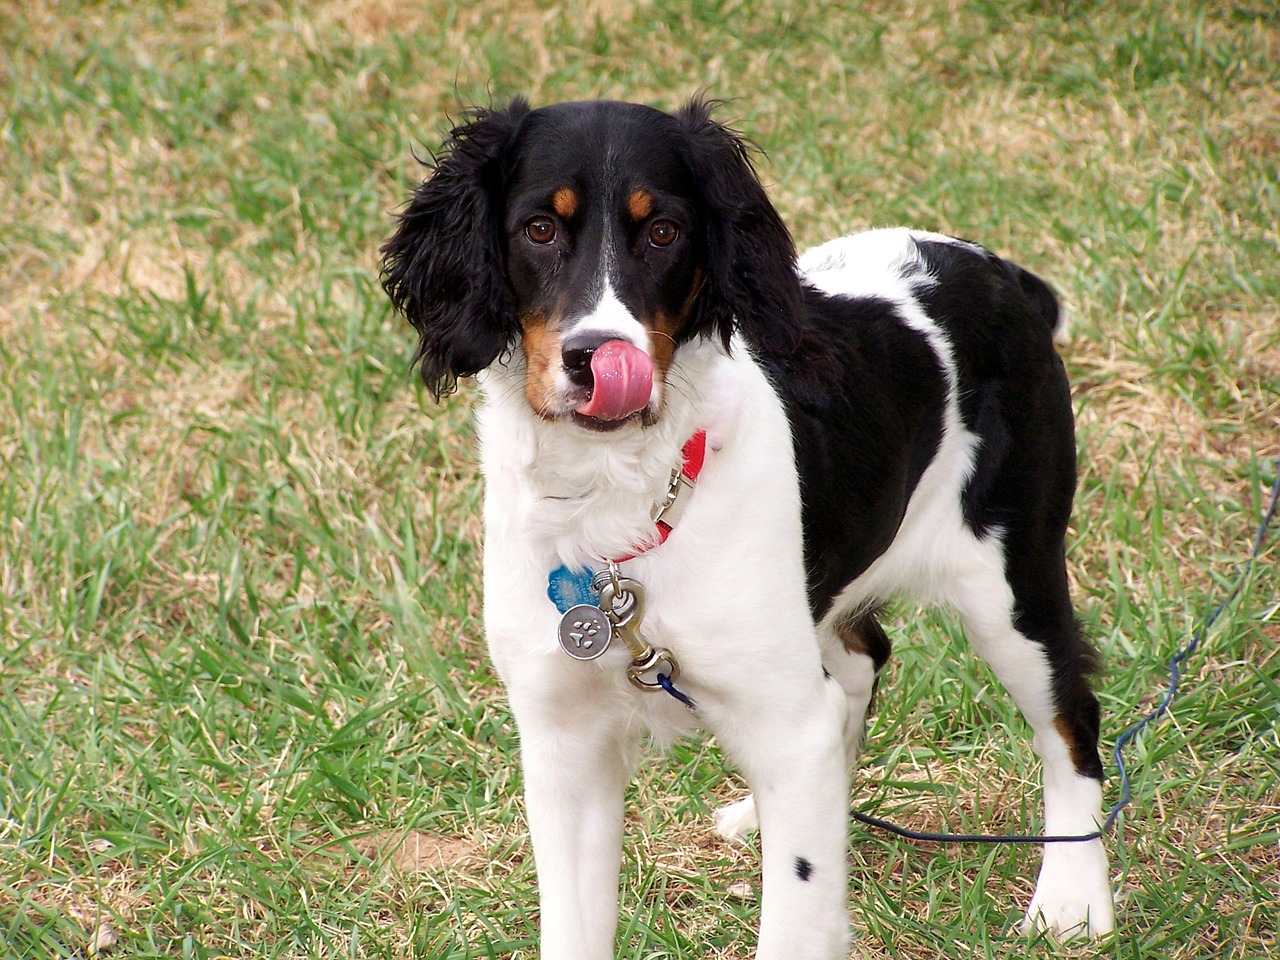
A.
pixel 244 705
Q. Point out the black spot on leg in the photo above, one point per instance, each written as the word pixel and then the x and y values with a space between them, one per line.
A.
pixel 804 869
pixel 826 674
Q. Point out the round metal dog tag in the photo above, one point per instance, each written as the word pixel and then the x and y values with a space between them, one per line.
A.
pixel 584 632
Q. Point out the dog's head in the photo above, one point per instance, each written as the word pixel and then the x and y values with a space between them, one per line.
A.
pixel 594 238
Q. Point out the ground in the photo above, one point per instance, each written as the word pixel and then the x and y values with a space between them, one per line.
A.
pixel 244 706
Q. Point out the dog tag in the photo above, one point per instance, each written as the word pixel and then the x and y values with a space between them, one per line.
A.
pixel 567 587
pixel 584 632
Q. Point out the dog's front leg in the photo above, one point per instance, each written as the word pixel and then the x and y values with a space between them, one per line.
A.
pixel 791 750
pixel 576 766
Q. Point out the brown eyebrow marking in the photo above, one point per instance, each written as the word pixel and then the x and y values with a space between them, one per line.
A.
pixel 564 202
pixel 640 204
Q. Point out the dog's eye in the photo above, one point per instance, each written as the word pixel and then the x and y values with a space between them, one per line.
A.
pixel 541 230
pixel 662 233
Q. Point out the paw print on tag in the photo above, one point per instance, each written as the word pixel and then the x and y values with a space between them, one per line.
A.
pixel 584 632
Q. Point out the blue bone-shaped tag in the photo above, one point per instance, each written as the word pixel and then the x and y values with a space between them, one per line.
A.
pixel 567 587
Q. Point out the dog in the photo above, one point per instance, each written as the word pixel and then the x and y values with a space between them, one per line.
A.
pixel 884 415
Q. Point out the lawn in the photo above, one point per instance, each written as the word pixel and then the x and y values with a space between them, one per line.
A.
pixel 244 705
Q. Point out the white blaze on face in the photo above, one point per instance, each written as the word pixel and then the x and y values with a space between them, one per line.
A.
pixel 610 315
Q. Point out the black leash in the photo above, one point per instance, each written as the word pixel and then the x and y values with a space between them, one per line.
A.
pixel 1160 709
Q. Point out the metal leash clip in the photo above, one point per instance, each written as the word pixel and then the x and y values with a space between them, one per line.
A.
pixel 645 674
pixel 622 602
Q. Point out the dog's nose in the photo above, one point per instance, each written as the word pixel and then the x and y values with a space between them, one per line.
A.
pixel 576 353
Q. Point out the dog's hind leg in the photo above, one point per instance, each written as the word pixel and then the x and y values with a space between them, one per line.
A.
pixel 860 650
pixel 855 648
pixel 1018 617
pixel 734 821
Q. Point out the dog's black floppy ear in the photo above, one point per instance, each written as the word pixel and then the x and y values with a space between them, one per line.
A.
pixel 751 281
pixel 442 267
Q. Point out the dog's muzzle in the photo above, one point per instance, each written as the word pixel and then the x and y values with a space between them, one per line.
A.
pixel 618 374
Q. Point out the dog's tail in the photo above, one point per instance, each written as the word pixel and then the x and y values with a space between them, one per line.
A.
pixel 1044 301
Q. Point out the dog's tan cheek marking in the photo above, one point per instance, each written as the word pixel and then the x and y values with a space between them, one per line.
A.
pixel 662 349
pixel 640 205
pixel 662 340
pixel 541 348
pixel 667 326
pixel 564 202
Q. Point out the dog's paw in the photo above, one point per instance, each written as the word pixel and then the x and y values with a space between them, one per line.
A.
pixel 1070 919
pixel 1073 896
pixel 736 820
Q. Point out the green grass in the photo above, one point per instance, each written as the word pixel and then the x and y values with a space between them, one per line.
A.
pixel 244 704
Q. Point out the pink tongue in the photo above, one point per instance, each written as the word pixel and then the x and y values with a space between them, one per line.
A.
pixel 623 375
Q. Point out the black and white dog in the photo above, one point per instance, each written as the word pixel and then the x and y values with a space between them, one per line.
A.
pixel 885 415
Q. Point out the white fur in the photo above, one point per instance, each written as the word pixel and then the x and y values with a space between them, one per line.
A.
pixel 727 594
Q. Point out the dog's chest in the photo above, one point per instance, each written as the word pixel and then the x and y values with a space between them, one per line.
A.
pixel 569 495
pixel 730 573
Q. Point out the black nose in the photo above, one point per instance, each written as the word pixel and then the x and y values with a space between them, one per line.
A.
pixel 576 352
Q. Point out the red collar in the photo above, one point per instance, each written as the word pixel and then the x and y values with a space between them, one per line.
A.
pixel 666 511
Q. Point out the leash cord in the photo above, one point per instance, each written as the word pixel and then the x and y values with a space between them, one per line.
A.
pixel 1160 709
pixel 665 683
